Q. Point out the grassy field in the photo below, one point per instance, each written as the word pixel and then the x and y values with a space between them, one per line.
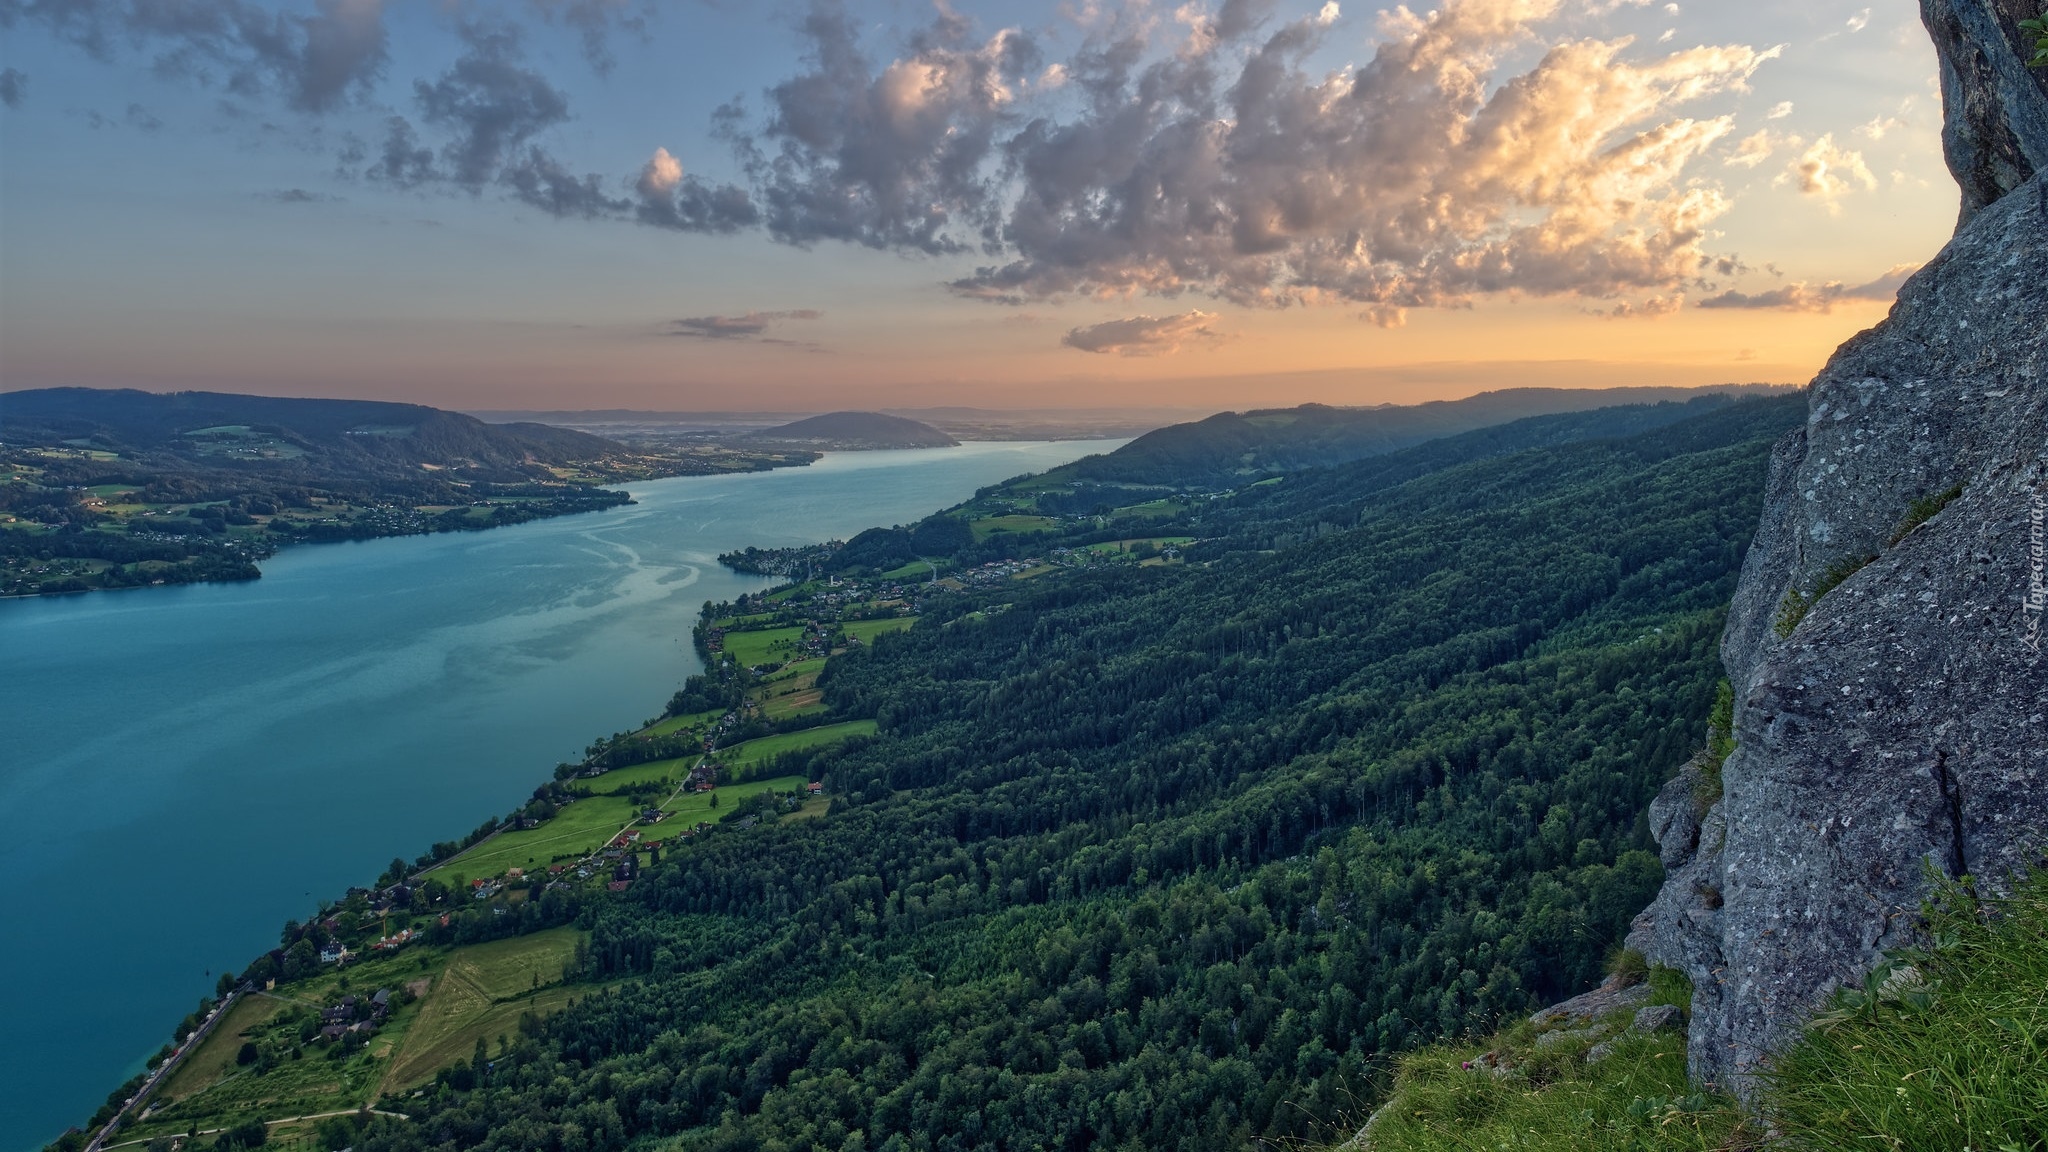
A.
pixel 1109 547
pixel 687 810
pixel 909 571
pixel 578 830
pixel 678 723
pixel 989 526
pixel 482 993
pixel 792 691
pixel 765 646
pixel 215 1057
pixel 767 747
pixel 1150 510
pixel 866 630
pixel 618 778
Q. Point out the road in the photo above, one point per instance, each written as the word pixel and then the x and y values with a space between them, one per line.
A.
pixel 164 1070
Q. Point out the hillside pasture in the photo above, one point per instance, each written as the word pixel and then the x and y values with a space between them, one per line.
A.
pixel 763 645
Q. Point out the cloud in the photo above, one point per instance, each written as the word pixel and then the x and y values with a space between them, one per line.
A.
pixel 13 87
pixel 750 326
pixel 1805 297
pixel 1879 127
pixel 540 181
pixel 669 198
pixel 894 156
pixel 296 196
pixel 318 58
pixel 143 119
pixel 1859 21
pixel 1423 178
pixel 1779 111
pixel 490 102
pixel 1752 151
pixel 595 20
pixel 1146 335
pixel 1649 309
pixel 1827 172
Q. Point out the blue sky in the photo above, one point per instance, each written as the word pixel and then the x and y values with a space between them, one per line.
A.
pixel 951 204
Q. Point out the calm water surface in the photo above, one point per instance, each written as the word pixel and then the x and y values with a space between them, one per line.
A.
pixel 184 769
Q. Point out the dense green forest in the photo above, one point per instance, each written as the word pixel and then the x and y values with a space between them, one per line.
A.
pixel 1178 856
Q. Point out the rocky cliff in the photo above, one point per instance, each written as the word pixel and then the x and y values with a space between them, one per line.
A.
pixel 1891 716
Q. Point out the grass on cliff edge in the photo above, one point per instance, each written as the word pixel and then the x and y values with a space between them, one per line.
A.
pixel 1549 1098
pixel 1949 1053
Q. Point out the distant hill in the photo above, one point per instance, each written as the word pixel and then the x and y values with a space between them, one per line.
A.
pixel 855 432
pixel 1232 445
pixel 272 433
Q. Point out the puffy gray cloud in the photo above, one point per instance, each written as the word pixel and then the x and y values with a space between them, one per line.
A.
pixel 13 87
pixel 1804 297
pixel 1205 156
pixel 316 58
pixel 595 20
pixel 668 198
pixel 490 103
pixel 487 107
pixel 402 160
pixel 895 156
pixel 1146 335
pixel 749 326
pixel 538 179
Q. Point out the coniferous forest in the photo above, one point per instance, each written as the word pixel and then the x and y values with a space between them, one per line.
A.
pixel 1179 856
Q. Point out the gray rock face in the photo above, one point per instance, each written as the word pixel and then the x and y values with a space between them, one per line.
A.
pixel 1903 725
pixel 1996 134
pixel 1901 729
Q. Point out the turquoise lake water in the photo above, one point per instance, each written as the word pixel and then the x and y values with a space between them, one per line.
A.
pixel 184 769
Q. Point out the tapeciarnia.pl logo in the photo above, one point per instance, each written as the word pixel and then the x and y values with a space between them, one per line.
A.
pixel 2037 575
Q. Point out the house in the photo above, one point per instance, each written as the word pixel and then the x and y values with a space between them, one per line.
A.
pixel 816 788
pixel 619 885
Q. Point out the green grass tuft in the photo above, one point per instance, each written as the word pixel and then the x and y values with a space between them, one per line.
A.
pixel 1946 1048
pixel 1547 1097
pixel 1922 510
pixel 1797 604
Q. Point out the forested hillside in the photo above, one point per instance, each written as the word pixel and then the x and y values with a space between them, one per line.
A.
pixel 1178 856
pixel 1234 445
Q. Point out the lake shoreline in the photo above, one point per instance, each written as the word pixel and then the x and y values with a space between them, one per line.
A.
pixel 451 670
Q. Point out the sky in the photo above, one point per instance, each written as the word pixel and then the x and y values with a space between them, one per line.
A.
pixel 717 205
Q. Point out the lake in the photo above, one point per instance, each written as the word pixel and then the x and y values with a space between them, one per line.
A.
pixel 184 769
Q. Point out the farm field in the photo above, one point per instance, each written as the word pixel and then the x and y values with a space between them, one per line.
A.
pixel 482 992
pixel 989 526
pixel 686 811
pixel 576 831
pixel 867 630
pixel 792 691
pixel 1110 547
pixel 768 747
pixel 678 723
pixel 765 646
pixel 216 1056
